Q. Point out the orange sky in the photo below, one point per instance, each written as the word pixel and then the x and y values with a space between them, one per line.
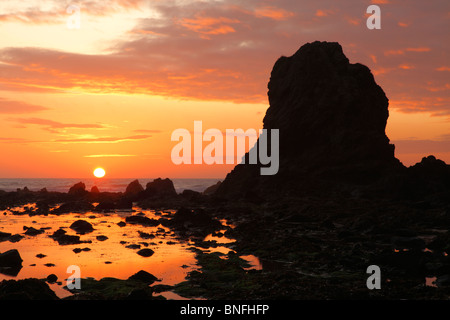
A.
pixel 111 92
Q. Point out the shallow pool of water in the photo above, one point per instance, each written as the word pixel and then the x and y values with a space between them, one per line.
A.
pixel 173 257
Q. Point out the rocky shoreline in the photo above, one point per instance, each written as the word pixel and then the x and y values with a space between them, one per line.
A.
pixel 310 248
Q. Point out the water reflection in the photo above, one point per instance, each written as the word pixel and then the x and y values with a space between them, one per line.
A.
pixel 110 249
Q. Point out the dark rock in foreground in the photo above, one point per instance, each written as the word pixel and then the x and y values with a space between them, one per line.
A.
pixel 102 238
pixel 78 189
pixel 144 221
pixel 27 289
pixel 134 189
pixel 112 289
pixel 64 239
pixel 146 252
pixel 30 231
pixel 52 278
pixel 74 206
pixel 212 189
pixel 109 206
pixel 10 258
pixel 82 227
pixel 143 276
pixel 160 188
pixel 4 236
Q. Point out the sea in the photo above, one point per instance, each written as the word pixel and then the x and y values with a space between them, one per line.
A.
pixel 103 184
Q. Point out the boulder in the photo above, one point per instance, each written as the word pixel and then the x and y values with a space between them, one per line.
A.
pixel 142 220
pixel 78 189
pixel 102 238
pixel 52 278
pixel 134 189
pixel 82 227
pixel 143 276
pixel 10 258
pixel 95 190
pixel 27 289
pixel 30 231
pixel 146 252
pixel 4 236
pixel 160 188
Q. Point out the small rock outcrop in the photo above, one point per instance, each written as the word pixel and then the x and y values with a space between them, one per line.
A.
pixel 10 258
pixel 82 227
pixel 26 289
pixel 212 189
pixel 134 189
pixel 95 190
pixel 143 276
pixel 160 188
pixel 78 189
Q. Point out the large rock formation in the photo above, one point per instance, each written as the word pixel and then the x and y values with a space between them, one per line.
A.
pixel 331 117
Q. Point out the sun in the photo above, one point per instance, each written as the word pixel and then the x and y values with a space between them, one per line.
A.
pixel 99 172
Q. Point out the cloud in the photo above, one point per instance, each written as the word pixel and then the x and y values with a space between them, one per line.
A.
pixel 209 25
pixel 103 139
pixel 55 11
pixel 323 12
pixel 273 13
pixel 109 155
pixel 403 51
pixel 17 107
pixel 13 140
pixel 34 16
pixel 54 126
pixel 147 131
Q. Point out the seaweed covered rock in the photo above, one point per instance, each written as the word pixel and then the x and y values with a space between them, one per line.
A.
pixel 27 289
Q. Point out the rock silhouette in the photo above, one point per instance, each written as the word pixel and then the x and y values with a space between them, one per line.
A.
pixel 331 117
pixel 78 189
pixel 134 188
pixel 160 188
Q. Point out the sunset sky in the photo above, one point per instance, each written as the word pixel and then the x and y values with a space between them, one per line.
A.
pixel 110 93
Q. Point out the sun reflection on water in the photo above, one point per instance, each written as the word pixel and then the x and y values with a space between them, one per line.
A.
pixel 172 261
